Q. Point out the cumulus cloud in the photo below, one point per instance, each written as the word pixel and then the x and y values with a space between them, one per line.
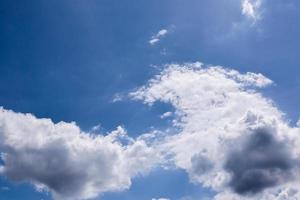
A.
pixel 227 136
pixel 228 132
pixel 157 37
pixel 66 161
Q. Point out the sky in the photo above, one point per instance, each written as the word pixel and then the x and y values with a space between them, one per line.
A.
pixel 149 100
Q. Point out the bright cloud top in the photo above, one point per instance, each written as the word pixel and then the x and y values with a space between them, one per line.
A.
pixel 250 8
pixel 157 37
pixel 64 160
pixel 231 138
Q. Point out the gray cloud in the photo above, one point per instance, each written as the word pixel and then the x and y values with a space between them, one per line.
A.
pixel 201 164
pixel 69 163
pixel 50 165
pixel 261 162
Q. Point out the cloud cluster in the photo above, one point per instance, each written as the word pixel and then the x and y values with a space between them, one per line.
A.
pixel 230 137
pixel 64 160
pixel 227 136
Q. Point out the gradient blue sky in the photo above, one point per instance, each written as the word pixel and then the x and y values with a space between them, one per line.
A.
pixel 67 59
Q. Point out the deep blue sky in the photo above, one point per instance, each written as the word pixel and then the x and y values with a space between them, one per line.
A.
pixel 66 59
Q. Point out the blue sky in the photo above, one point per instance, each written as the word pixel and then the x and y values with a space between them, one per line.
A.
pixel 68 60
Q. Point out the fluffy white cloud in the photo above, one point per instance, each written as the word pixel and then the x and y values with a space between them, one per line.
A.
pixel 66 161
pixel 250 8
pixel 230 137
pixel 157 37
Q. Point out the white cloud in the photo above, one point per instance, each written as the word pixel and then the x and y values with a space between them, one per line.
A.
pixel 166 115
pixel 71 164
pixel 250 8
pixel 157 37
pixel 160 199
pixel 220 115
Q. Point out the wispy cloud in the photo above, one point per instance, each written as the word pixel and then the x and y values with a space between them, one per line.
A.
pixel 158 36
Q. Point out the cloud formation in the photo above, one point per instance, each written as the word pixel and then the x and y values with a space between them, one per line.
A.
pixel 228 137
pixel 64 160
pixel 227 131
